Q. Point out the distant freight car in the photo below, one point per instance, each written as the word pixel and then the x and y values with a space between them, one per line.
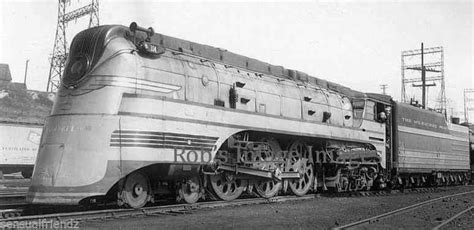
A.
pixel 18 147
pixel 471 150
pixel 22 115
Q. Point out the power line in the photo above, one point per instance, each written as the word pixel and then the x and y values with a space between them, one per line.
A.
pixel 60 48
pixel 468 99
pixel 434 66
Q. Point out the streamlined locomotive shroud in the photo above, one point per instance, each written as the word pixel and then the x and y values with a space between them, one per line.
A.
pixel 141 115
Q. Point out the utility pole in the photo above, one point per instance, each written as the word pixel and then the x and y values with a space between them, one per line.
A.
pixel 435 65
pixel 423 79
pixel 60 49
pixel 468 99
pixel 383 87
pixel 26 71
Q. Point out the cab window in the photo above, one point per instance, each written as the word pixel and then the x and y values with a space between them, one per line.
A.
pixel 369 110
pixel 358 108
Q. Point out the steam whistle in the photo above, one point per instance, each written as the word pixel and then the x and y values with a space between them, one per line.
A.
pixel 146 46
pixel 149 32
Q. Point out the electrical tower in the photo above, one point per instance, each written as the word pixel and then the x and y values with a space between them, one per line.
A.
pixel 60 49
pixel 423 68
pixel 468 103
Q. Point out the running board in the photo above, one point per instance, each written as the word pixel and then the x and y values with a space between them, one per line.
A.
pixel 277 174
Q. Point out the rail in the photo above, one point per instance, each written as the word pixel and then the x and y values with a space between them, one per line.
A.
pixel 453 218
pixel 156 210
pixel 398 211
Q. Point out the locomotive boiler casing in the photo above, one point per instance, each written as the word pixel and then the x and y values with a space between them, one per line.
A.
pixel 170 112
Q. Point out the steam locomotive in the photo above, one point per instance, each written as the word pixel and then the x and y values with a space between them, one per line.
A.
pixel 141 115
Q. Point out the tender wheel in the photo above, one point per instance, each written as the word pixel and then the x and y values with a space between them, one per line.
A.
pixel 269 188
pixel 136 190
pixel 190 191
pixel 226 186
pixel 300 161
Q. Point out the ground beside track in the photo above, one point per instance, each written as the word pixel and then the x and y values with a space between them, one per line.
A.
pixel 431 215
pixel 319 213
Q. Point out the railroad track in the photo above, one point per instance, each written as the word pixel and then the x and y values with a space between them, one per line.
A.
pixel 453 218
pixel 383 192
pixel 405 209
pixel 15 195
pixel 15 212
pixel 156 210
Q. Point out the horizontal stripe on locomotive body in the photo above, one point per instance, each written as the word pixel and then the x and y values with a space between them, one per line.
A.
pixel 461 144
pixel 422 132
pixel 428 170
pixel 430 160
pixel 162 98
pixel 432 166
pixel 154 139
pixel 161 141
pixel 129 82
pixel 460 136
pixel 160 117
pixel 434 159
pixel 173 147
pixel 405 151
pixel 25 165
pixel 231 118
pixel 141 132
pixel 376 139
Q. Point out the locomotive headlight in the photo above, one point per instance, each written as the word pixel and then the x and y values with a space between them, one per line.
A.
pixel 79 65
pixel 77 68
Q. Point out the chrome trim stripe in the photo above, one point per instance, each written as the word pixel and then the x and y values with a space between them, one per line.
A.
pixel 415 131
pixel 134 83
pixel 153 139
pixel 161 117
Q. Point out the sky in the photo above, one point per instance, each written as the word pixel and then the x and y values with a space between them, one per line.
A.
pixel 357 44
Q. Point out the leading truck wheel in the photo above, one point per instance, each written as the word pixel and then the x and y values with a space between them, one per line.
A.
pixel 136 190
pixel 189 192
